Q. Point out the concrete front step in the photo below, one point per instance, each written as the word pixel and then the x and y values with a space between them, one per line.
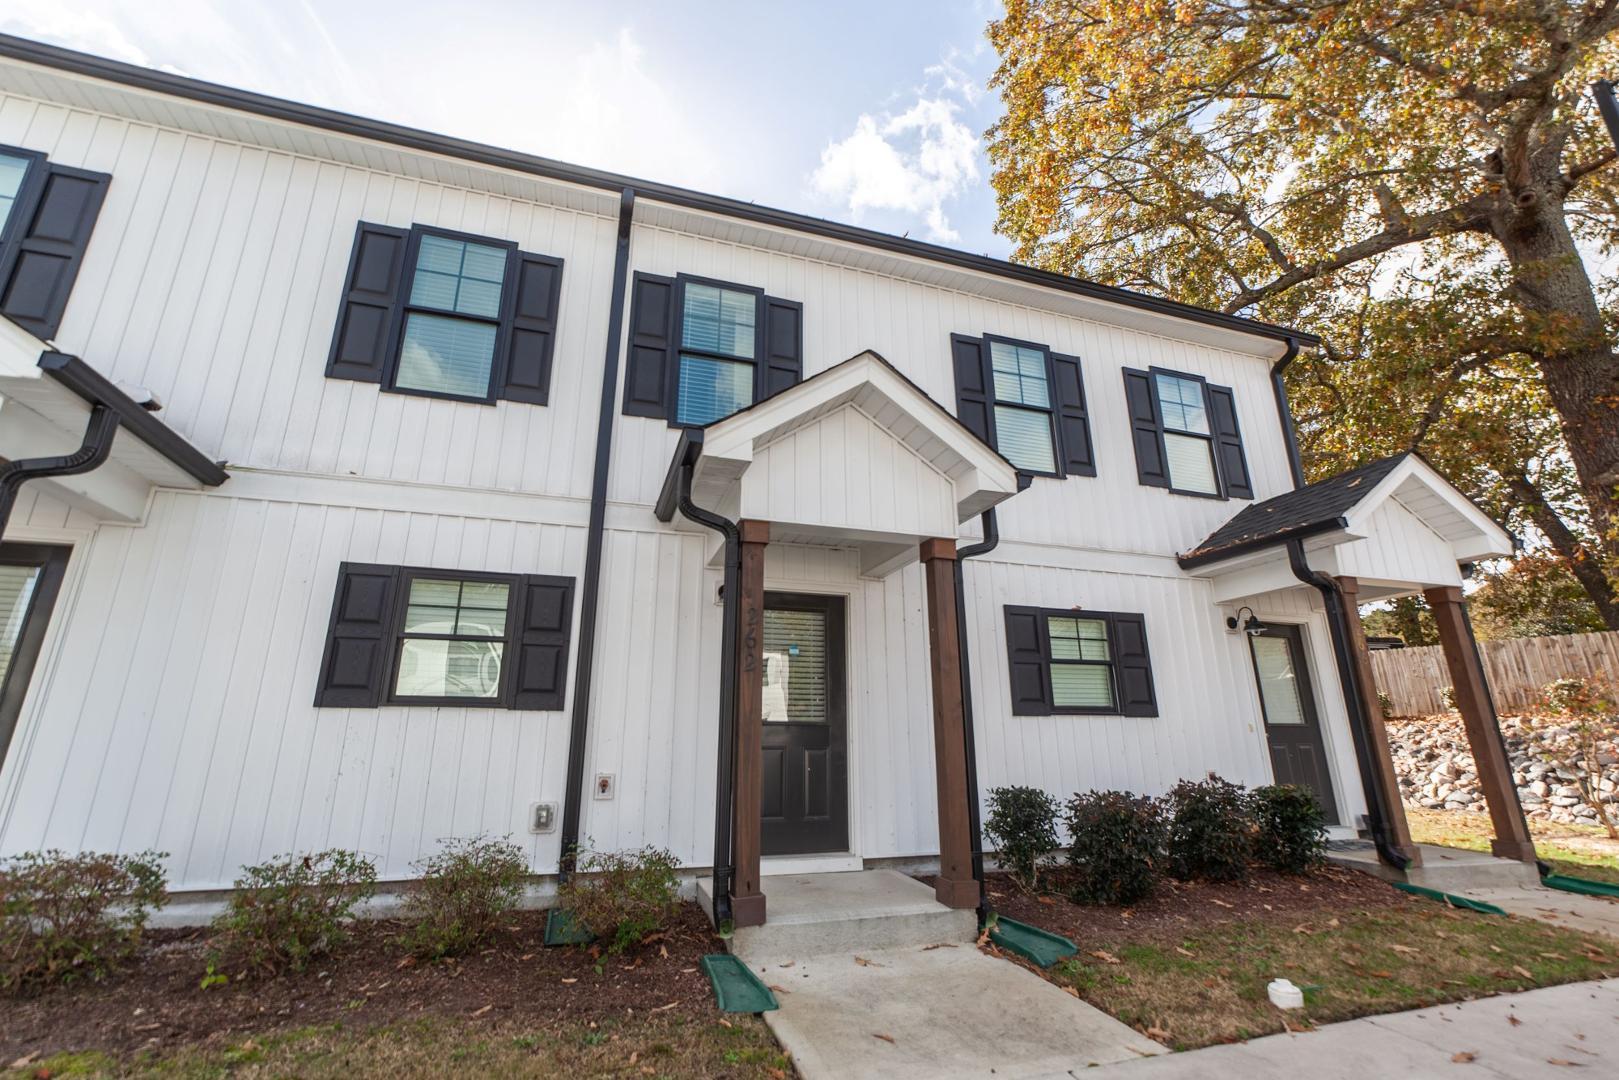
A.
pixel 1452 870
pixel 819 914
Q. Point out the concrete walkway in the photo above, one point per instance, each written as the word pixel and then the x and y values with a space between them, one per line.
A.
pixel 945 1010
pixel 1593 914
pixel 1561 1031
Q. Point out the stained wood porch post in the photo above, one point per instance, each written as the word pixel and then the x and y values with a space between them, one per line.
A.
pixel 1490 758
pixel 747 901
pixel 1399 831
pixel 956 887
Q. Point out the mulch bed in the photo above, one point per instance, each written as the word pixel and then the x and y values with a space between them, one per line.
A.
pixel 1179 909
pixel 158 1002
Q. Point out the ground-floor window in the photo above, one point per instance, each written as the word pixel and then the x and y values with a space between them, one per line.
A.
pixel 1078 661
pixel 30 576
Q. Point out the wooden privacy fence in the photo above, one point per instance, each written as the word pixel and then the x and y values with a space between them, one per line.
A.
pixel 1518 670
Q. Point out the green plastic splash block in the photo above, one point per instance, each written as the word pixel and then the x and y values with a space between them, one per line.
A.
pixel 736 989
pixel 1031 942
pixel 1449 898
pixel 1583 886
pixel 560 929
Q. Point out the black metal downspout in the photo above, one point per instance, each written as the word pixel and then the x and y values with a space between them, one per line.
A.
pixel 992 537
pixel 97 444
pixel 725 763
pixel 580 727
pixel 1349 678
pixel 1278 386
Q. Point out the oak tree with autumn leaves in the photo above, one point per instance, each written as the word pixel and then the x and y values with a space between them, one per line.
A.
pixel 1424 183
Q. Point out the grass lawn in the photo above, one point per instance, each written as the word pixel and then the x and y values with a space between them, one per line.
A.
pixel 646 1047
pixel 1188 966
pixel 1577 850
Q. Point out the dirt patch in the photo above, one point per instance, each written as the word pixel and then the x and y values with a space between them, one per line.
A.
pixel 158 1004
pixel 1180 908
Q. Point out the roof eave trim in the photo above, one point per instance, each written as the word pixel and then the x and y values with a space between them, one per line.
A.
pixel 1193 560
pixel 93 387
pixel 343 123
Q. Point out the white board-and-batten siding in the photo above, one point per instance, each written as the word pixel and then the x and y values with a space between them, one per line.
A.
pixel 171 708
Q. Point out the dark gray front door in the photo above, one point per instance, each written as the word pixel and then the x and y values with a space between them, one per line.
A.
pixel 1297 753
pixel 806 762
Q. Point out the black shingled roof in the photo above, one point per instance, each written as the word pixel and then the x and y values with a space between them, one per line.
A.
pixel 1313 508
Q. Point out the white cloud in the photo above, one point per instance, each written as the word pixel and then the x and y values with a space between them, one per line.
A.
pixel 914 162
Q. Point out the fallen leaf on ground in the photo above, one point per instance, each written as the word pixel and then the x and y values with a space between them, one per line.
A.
pixel 937 945
pixel 1185 952
pixel 863 962
pixel 1381 974
pixel 25 1061
pixel 1046 900
pixel 725 1023
pixel 1222 903
pixel 788 964
pixel 1408 950
pixel 483 1010
pixel 666 1008
pixel 569 982
pixel 780 989
pixel 1462 1057
pixel 1157 1032
pixel 885 1038
pixel 1525 972
pixel 1305 929
pixel 635 1056
pixel 1513 1020
pixel 1560 1061
pixel 526 956
pixel 1105 956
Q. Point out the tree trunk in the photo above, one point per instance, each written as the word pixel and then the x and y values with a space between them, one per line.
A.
pixel 1584 564
pixel 1550 286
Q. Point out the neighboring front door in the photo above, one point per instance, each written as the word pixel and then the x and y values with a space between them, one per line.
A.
pixel 806 763
pixel 1297 753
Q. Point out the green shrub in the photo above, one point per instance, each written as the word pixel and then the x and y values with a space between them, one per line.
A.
pixel 1022 825
pixel 1291 829
pixel 463 892
pixel 293 908
pixel 65 918
pixel 622 896
pixel 1210 833
pixel 1118 844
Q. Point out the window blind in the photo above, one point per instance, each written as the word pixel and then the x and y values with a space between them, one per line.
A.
pixel 796 666
pixel 16 589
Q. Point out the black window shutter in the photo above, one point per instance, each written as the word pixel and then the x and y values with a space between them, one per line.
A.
pixel 1228 443
pixel 1026 662
pixel 537 289
pixel 784 346
pixel 51 237
pixel 544 618
pixel 1132 666
pixel 1073 420
pixel 652 308
pixel 365 319
pixel 974 387
pixel 1147 428
pixel 356 661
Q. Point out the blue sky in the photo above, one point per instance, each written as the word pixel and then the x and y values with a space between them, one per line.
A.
pixel 871 113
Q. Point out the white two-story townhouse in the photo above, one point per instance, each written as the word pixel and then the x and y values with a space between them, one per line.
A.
pixel 365 487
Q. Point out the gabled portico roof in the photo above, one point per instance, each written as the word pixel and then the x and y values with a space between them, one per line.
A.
pixel 1396 523
pixel 857 455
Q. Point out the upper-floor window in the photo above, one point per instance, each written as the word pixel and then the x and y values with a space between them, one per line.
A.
pixel 719 332
pixel 1188 446
pixel 700 350
pixel 443 314
pixel 47 213
pixel 13 170
pixel 1025 401
pixel 1186 434
pixel 1078 661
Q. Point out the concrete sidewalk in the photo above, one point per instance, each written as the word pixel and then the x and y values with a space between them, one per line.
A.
pixel 945 1010
pixel 1562 1031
